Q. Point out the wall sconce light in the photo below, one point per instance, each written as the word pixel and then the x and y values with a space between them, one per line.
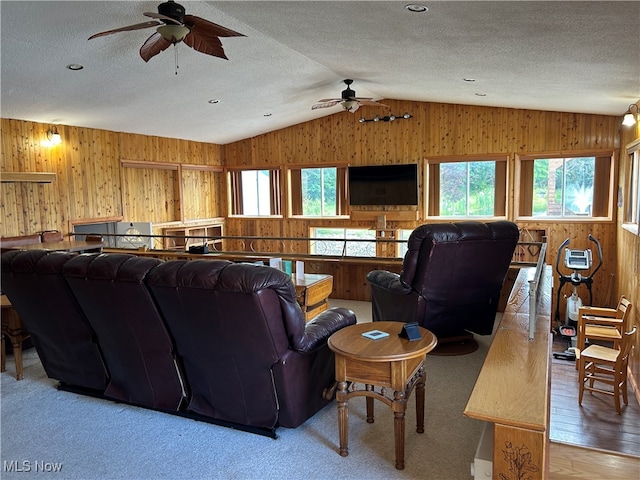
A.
pixel 54 136
pixel 630 118
pixel 386 118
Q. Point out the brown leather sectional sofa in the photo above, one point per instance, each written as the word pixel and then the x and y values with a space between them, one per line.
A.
pixel 207 339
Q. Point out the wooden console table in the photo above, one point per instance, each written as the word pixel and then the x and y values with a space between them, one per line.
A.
pixel 63 246
pixel 12 327
pixel 390 362
pixel 513 389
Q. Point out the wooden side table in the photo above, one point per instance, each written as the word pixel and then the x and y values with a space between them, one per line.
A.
pixel 390 362
pixel 12 327
pixel 312 293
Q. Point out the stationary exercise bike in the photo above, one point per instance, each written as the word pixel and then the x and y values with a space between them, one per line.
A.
pixel 575 260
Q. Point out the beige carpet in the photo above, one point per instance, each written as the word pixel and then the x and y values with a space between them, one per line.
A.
pixel 43 428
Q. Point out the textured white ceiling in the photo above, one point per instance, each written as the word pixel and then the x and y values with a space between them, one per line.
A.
pixel 559 56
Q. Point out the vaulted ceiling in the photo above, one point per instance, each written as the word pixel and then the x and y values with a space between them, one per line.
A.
pixel 560 56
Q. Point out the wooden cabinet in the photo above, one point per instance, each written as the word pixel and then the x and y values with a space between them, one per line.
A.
pixel 312 293
pixel 181 238
pixel 512 391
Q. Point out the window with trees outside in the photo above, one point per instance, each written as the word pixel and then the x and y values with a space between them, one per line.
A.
pixel 254 192
pixel 467 187
pixel 351 242
pixel 567 186
pixel 632 190
pixel 318 191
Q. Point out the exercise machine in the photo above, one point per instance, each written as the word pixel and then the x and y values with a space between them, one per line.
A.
pixel 576 260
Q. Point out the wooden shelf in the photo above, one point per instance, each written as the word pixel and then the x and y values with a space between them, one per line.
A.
pixel 30 177
pixel 182 242
pixel 392 215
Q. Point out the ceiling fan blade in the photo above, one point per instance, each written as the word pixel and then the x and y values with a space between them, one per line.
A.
pixel 153 46
pixel 137 26
pixel 331 100
pixel 370 103
pixel 326 104
pixel 205 43
pixel 159 16
pixel 205 27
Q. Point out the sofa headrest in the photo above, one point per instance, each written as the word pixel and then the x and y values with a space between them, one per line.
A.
pixel 113 266
pixel 31 261
pixel 423 239
pixel 202 274
pixel 225 276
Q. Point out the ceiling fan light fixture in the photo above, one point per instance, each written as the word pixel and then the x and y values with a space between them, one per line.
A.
pixel 350 105
pixel 173 33
pixel 629 118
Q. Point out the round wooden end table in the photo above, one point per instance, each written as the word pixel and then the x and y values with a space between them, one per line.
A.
pixel 391 362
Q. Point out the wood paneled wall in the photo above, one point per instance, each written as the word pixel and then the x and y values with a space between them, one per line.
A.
pixel 628 251
pixel 436 130
pixel 88 181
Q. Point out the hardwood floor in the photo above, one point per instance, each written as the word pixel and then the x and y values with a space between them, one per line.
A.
pixel 611 442
pixel 572 463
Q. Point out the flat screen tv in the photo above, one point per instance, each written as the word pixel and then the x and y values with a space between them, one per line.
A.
pixel 383 185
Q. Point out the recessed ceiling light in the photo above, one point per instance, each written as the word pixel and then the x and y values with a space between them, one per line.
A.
pixel 481 94
pixel 267 114
pixel 468 79
pixel 75 66
pixel 416 8
pixel 214 101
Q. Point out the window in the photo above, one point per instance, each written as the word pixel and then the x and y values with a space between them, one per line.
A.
pixel 254 192
pixel 567 186
pixel 404 246
pixel 467 187
pixel 352 242
pixel 318 192
pixel 632 203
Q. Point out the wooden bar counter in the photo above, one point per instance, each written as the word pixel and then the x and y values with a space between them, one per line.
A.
pixel 512 391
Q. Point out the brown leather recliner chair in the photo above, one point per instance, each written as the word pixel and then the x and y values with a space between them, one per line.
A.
pixel 450 283
pixel 250 358
pixel 59 329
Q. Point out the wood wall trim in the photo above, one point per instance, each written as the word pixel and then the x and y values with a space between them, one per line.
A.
pixel 154 165
pixel 29 177
pixel 498 157
pixel 201 168
pixel 566 154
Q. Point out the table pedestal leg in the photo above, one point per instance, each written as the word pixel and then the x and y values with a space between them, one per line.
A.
pixel 369 401
pixel 420 401
pixel 399 408
pixel 343 418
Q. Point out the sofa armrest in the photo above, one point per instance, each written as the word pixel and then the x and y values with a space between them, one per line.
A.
pixel 319 329
pixel 388 281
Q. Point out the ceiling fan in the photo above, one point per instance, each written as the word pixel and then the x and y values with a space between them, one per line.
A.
pixel 173 27
pixel 348 99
